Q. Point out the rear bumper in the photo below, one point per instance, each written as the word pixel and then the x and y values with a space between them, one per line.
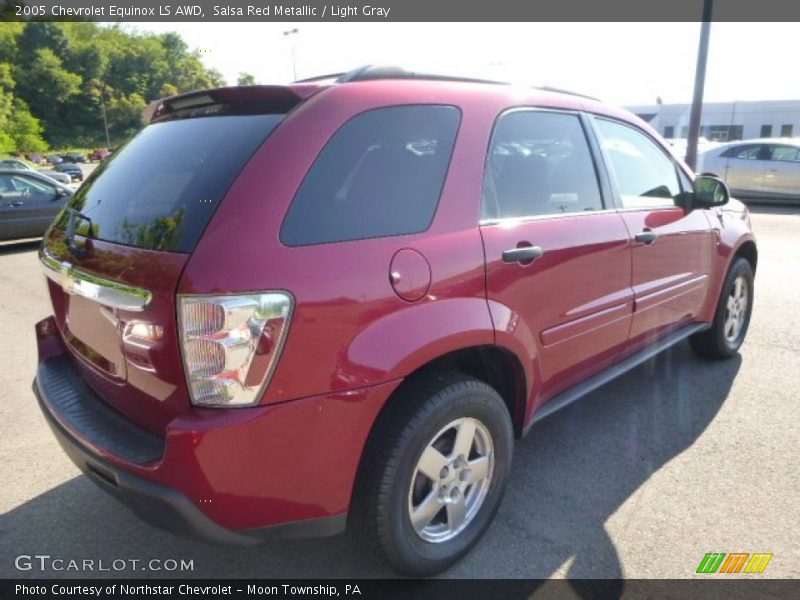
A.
pixel 217 475
pixel 156 504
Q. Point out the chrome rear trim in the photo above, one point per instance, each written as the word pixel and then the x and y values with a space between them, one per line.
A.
pixel 104 291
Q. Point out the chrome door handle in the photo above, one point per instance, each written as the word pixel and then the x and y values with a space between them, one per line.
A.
pixel 16 203
pixel 647 236
pixel 522 253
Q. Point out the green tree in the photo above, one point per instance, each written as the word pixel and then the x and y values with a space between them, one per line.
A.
pixel 46 86
pixel 168 90
pixel 125 115
pixel 9 33
pixel 246 79
pixel 43 34
pixel 65 73
pixel 6 105
pixel 24 129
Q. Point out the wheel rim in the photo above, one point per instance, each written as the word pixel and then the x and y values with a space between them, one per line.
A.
pixel 451 480
pixel 736 309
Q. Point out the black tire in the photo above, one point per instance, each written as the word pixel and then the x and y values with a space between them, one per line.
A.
pixel 380 512
pixel 713 343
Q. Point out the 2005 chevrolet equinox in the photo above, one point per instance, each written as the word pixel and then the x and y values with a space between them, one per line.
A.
pixel 287 310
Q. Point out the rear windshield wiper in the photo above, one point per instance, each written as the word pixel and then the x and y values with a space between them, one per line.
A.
pixel 74 217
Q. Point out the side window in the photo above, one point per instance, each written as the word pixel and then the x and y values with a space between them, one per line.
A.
pixel 381 174
pixel 7 185
pixel 744 152
pixel 645 176
pixel 28 185
pixel 787 153
pixel 539 163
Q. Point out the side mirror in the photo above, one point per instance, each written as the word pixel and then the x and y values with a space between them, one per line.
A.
pixel 60 193
pixel 708 192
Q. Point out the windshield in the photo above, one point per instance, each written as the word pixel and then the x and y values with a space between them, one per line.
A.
pixel 160 191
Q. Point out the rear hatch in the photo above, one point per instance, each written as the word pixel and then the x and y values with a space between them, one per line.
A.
pixel 114 256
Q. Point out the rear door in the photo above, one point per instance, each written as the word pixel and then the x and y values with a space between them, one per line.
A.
pixel 135 221
pixel 558 262
pixel 782 170
pixel 671 247
pixel 745 166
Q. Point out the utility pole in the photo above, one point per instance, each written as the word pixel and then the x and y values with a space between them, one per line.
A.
pixel 699 84
pixel 288 33
pixel 102 87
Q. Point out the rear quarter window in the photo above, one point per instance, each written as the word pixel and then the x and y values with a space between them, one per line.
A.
pixel 381 174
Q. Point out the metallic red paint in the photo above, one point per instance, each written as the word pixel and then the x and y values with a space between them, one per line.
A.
pixel 594 296
pixel 571 308
pixel 255 467
pixel 147 383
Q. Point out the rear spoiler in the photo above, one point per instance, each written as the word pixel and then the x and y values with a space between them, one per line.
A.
pixel 239 100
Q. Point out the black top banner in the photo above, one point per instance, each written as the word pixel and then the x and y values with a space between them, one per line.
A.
pixel 398 10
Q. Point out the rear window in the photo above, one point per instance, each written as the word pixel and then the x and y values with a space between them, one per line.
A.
pixel 160 191
pixel 381 174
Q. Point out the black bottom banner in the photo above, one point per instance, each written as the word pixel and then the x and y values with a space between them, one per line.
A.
pixel 439 589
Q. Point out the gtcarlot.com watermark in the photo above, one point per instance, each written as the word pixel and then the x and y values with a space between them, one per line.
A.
pixel 48 563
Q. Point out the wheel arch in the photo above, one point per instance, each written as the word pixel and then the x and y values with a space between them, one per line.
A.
pixel 494 365
pixel 749 251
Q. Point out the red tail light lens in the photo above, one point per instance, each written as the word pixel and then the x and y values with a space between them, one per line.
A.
pixel 231 344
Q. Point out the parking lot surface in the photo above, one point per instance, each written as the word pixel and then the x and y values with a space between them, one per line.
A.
pixel 675 459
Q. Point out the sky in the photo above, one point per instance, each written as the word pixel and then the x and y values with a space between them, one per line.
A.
pixel 620 63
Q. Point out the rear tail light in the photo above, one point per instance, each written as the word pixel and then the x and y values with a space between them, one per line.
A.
pixel 231 344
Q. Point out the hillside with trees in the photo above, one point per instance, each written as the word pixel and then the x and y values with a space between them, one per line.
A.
pixel 57 80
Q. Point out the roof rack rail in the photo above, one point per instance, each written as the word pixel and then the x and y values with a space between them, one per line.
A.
pixel 319 78
pixel 374 72
pixel 377 72
pixel 547 88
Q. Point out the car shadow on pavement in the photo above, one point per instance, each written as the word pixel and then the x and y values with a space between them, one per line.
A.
pixel 765 207
pixel 570 474
pixel 19 247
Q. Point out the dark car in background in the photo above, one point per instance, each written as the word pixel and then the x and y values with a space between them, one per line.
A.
pixel 74 157
pixel 71 169
pixel 28 203
pixel 54 159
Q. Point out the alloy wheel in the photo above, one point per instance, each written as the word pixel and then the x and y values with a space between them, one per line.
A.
pixel 451 480
pixel 736 309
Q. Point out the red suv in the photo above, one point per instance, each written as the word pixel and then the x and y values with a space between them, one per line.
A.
pixel 284 310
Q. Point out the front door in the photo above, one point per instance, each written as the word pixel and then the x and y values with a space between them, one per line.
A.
pixel 30 205
pixel 671 247
pixel 558 265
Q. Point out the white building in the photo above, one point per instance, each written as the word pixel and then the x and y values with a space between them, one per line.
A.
pixel 726 121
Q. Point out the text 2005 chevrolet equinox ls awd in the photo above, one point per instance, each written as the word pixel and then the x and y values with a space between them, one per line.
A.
pixel 283 310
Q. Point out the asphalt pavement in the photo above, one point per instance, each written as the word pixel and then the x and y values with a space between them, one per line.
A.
pixel 677 458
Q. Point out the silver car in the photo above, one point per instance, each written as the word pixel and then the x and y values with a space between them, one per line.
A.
pixel 764 168
pixel 15 163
